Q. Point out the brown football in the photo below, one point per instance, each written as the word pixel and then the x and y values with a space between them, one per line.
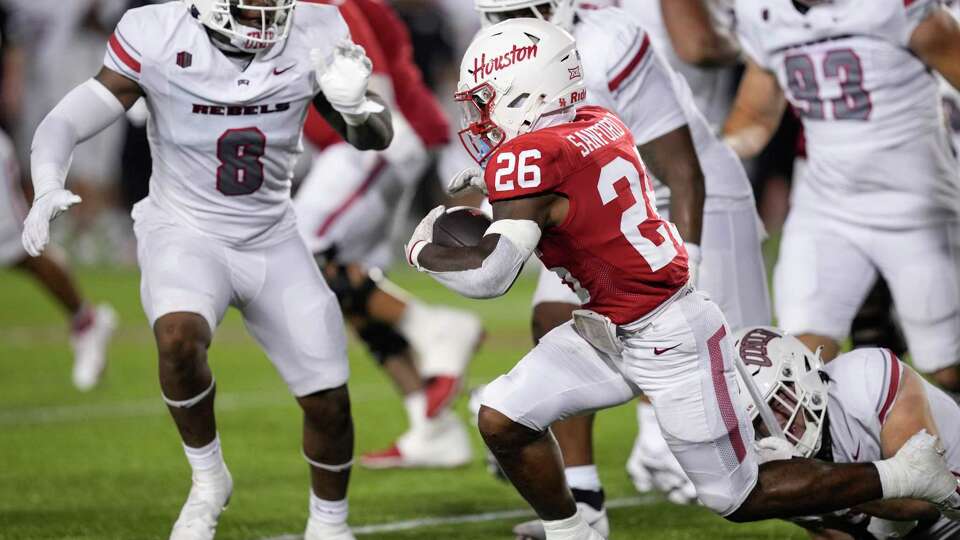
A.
pixel 460 226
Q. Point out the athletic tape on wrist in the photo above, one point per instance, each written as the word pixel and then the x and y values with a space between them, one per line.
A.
pixel 330 468
pixel 187 403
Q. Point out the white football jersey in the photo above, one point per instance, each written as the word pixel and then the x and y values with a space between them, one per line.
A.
pixel 862 390
pixel 224 136
pixel 878 152
pixel 712 88
pixel 624 74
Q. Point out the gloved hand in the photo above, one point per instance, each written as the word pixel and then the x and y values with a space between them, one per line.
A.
pixel 344 79
pixel 422 236
pixel 468 179
pixel 772 449
pixel 46 207
pixel 694 257
pixel 919 471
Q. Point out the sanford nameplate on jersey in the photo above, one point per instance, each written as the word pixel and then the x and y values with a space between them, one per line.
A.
pixel 240 110
pixel 592 138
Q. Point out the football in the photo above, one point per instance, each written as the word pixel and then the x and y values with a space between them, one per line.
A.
pixel 460 226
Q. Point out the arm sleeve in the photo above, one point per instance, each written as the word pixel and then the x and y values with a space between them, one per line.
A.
pixel 500 269
pixel 637 85
pixel 87 110
pixel 529 165
pixel 125 47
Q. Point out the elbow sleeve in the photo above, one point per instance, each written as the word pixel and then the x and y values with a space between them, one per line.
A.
pixel 518 239
pixel 87 110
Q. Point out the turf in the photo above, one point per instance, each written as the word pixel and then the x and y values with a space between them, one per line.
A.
pixel 108 464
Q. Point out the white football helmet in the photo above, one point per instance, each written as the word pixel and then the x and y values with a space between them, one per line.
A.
pixel 789 380
pixel 221 16
pixel 559 12
pixel 516 76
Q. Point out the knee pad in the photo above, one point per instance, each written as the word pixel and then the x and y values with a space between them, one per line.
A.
pixel 383 341
pixel 352 298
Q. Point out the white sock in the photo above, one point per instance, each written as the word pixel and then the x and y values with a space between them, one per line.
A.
pixel 206 458
pixel 328 512
pixel 584 477
pixel 416 406
pixel 572 528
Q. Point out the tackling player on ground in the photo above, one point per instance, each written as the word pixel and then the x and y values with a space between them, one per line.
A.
pixel 569 184
pixel 228 85
pixel 861 407
pixel 879 192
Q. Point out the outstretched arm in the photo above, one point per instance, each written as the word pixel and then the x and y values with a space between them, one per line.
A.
pixel 694 35
pixel 375 132
pixel 84 112
pixel 489 269
pixel 756 112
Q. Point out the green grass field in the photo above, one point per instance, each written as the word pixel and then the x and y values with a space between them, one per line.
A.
pixel 108 465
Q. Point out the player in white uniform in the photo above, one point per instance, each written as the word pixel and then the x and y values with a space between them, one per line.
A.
pixel 697 38
pixel 90 327
pixel 228 85
pixel 623 74
pixel 880 189
pixel 861 407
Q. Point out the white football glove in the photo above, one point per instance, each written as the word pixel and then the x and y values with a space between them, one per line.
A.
pixel 772 449
pixel 919 471
pixel 466 180
pixel 694 258
pixel 46 207
pixel 422 236
pixel 343 81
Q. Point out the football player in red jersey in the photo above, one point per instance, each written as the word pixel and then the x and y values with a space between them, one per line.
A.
pixel 569 184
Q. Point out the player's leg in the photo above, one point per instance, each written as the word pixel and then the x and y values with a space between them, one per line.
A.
pixel 733 275
pixel 923 270
pixel 553 306
pixel 185 289
pixel 560 378
pixel 821 279
pixel 91 327
pixel 292 313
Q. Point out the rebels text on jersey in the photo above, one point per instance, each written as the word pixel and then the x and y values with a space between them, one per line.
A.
pixel 224 135
pixel 613 249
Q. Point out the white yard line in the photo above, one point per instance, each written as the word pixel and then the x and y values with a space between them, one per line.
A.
pixel 627 502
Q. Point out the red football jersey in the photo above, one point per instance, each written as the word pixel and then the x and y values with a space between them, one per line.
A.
pixel 613 249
